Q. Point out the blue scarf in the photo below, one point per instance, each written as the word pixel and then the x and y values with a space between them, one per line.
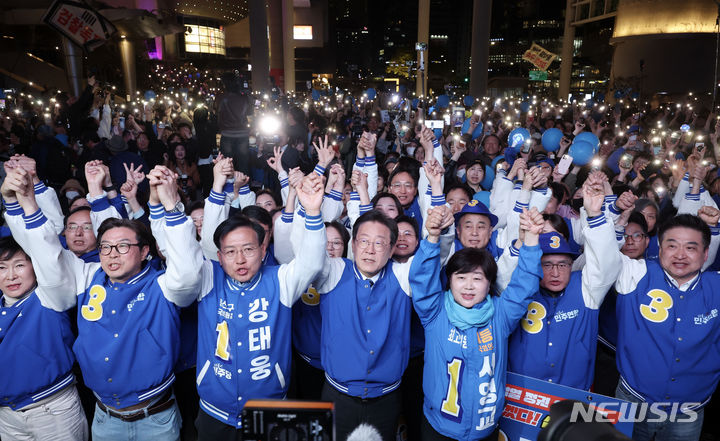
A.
pixel 463 318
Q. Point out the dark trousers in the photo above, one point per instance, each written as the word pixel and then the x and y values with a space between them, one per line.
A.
pixel 381 412
pixel 412 396
pixel 237 148
pixel 187 401
pixel 210 429
pixel 307 380
pixel 606 373
pixel 430 434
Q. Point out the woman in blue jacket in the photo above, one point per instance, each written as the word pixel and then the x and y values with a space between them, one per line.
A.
pixel 467 330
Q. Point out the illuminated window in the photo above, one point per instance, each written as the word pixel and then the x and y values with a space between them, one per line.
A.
pixel 303 32
pixel 204 39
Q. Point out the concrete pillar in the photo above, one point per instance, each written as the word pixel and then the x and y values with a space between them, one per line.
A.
pixel 259 45
pixel 568 48
pixel 288 21
pixel 73 66
pixel 423 37
pixel 276 40
pixel 480 47
pixel 127 55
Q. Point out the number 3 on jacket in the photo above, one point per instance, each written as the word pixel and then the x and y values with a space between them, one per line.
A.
pixel 451 403
pixel 533 321
pixel 657 310
pixel 93 311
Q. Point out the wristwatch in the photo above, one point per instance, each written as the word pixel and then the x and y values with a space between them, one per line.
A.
pixel 178 208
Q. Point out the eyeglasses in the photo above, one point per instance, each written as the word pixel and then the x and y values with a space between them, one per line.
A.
pixel 635 236
pixel 405 185
pixel 335 244
pixel 562 266
pixel 121 248
pixel 75 227
pixel 378 245
pixel 248 252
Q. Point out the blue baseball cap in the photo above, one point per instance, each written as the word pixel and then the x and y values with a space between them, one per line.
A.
pixel 554 243
pixel 546 160
pixel 476 207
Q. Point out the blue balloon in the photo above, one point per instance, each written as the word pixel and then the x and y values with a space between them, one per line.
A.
pixel 588 137
pixel 581 152
pixel 443 101
pixel 468 101
pixel 149 95
pixel 315 94
pixel 476 133
pixel 438 133
pixel 518 137
pixel 551 139
pixel 511 154
pixel 524 106
pixel 371 93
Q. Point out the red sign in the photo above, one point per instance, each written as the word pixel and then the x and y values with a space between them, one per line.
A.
pixel 80 23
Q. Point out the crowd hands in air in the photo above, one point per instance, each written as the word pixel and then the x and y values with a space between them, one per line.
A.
pixel 364 258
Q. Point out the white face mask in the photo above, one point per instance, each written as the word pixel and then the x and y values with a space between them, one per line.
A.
pixel 410 151
pixel 71 194
pixel 461 173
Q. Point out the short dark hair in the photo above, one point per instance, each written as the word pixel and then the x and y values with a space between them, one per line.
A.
pixel 686 221
pixel 464 187
pixel 194 206
pixel 142 233
pixel 470 259
pixel 559 191
pixel 558 223
pixel 410 220
pixel 408 165
pixel 637 218
pixel 379 217
pixel 258 214
pixel 9 248
pixel 233 223
pixel 342 231
pixel 75 210
pixel 384 194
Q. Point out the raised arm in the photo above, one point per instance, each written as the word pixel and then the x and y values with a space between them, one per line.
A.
pixel 61 276
pixel 424 273
pixel 602 255
pixel 182 279
pixel 525 280
pixel 216 210
pixel 296 276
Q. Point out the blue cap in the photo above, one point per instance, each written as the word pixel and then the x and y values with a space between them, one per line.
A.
pixel 554 243
pixel 476 207
pixel 546 160
pixel 634 129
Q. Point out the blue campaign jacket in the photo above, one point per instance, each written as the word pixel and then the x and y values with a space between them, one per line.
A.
pixel 35 352
pixel 307 326
pixel 365 332
pixel 668 345
pixel 474 360
pixel 254 358
pixel 128 339
pixel 557 339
